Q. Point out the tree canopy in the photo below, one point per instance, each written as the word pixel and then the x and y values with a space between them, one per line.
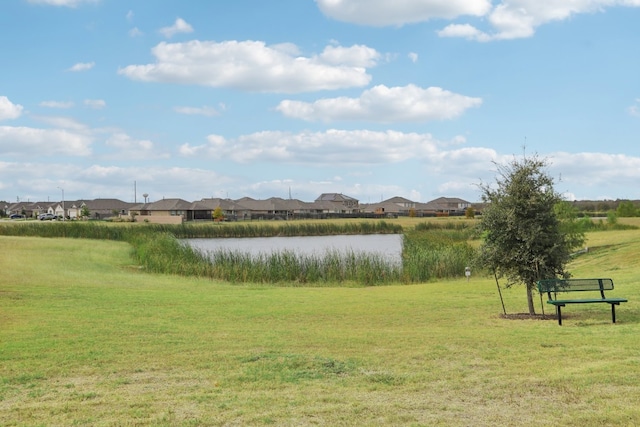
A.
pixel 524 236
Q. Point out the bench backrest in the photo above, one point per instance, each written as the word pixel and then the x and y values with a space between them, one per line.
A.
pixel 571 285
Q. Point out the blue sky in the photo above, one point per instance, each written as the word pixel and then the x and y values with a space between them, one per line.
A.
pixel 370 98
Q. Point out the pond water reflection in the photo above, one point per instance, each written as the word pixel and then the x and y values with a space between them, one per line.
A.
pixel 389 246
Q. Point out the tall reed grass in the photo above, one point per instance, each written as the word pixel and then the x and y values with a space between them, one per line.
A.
pixel 432 253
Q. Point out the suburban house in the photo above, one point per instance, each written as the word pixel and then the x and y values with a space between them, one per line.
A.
pixel 338 203
pixel 396 206
pixel 392 206
pixel 451 204
pixel 165 211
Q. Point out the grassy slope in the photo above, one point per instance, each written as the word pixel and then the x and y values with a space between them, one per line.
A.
pixel 88 339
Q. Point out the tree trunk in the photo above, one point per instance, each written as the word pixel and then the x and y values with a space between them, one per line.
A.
pixel 532 309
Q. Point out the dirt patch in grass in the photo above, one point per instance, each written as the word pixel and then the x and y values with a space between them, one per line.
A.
pixel 527 316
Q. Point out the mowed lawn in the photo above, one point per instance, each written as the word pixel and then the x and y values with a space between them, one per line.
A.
pixel 87 338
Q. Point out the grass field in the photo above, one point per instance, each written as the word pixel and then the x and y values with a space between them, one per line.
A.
pixel 89 339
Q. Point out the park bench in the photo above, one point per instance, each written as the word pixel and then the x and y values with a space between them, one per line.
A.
pixel 554 286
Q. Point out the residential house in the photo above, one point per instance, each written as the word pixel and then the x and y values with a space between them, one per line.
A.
pixel 339 203
pixel 390 207
pixel 165 211
pixel 450 204
pixel 232 210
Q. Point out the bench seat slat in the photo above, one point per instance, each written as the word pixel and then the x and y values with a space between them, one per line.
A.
pixel 587 301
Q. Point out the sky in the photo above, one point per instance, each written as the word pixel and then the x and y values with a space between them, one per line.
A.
pixel 294 98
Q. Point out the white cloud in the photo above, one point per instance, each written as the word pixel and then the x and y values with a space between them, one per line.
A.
pixel 131 148
pixel 513 19
pixel 9 110
pixel 413 57
pixel 95 104
pixel 508 19
pixel 67 3
pixel 354 56
pixel 25 141
pixel 465 31
pixel 400 12
pixel 383 104
pixel 198 111
pixel 332 147
pixel 180 26
pixel 64 123
pixel 82 66
pixel 135 32
pixel 129 15
pixel 56 104
pixel 254 66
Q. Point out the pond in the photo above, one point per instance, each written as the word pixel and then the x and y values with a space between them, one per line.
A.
pixel 389 246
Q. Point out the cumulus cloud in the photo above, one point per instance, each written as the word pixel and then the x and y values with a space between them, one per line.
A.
pixel 82 66
pixel 400 12
pixel 332 147
pixel 198 111
pixel 354 56
pixel 135 32
pixel 413 57
pixel 464 31
pixel 130 147
pixel 9 110
pixel 25 141
pixel 56 104
pixel 513 19
pixel 95 104
pixel 180 26
pixel 256 67
pixel 507 19
pixel 383 104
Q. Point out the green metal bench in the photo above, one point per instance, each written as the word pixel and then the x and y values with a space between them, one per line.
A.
pixel 554 286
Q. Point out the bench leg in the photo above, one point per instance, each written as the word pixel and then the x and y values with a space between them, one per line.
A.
pixel 559 313
pixel 613 313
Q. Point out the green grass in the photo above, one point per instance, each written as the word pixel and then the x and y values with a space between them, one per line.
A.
pixel 88 338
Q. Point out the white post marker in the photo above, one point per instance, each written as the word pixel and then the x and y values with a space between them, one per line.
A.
pixel 467 272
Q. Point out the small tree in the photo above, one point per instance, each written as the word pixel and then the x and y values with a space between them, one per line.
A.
pixel 470 213
pixel 218 215
pixel 84 212
pixel 523 237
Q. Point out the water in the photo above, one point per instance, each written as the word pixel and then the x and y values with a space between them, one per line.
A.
pixel 389 246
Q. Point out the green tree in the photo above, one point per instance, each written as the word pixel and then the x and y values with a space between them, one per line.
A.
pixel 470 213
pixel 84 212
pixel 524 239
pixel 626 208
pixel 218 215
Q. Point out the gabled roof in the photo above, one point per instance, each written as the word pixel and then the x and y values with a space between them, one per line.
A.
pixel 334 197
pixel 167 205
pixel 105 204
pixel 448 200
pixel 224 204
pixel 398 200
